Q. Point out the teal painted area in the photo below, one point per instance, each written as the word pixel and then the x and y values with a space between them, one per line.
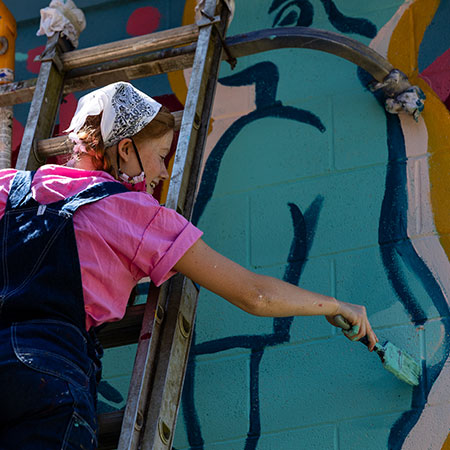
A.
pixel 357 114
pixel 316 376
pixel 316 383
pixel 360 275
pixel 113 390
pixel 254 161
pixel 368 432
pixel 341 226
pixel 221 382
pixel 317 438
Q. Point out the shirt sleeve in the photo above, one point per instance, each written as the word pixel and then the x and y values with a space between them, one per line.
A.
pixel 165 240
pixel 6 178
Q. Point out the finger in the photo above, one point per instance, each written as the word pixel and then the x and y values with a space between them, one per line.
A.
pixel 372 338
pixel 362 331
pixel 350 334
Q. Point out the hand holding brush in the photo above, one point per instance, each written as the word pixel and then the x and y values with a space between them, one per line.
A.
pixel 397 361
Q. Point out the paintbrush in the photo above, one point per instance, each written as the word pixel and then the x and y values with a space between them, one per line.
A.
pixel 397 361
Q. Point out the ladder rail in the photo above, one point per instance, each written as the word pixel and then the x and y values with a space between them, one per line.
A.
pixel 44 106
pixel 159 407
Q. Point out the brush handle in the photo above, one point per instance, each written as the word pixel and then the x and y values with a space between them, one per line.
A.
pixel 342 322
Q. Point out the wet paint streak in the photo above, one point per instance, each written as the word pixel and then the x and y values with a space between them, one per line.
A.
pixel 346 24
pixel 396 248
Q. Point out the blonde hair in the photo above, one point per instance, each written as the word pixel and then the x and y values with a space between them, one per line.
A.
pixel 90 142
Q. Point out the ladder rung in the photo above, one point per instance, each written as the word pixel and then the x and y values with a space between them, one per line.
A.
pixel 92 77
pixel 125 331
pixel 61 145
pixel 109 429
pixel 129 47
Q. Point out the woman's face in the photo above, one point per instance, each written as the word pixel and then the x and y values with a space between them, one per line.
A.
pixel 152 153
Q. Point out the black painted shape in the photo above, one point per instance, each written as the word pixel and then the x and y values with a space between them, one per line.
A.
pixel 304 19
pixel 289 20
pixel 396 247
pixel 254 432
pixel 346 24
pixel 264 76
pixel 304 229
pixel 212 165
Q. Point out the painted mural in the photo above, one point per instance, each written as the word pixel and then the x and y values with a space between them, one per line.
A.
pixel 408 243
pixel 308 179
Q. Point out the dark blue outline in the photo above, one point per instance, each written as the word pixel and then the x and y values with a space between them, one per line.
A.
pixel 304 231
pixel 396 248
pixel 347 24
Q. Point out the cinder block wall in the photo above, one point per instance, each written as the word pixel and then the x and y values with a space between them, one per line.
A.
pixel 308 179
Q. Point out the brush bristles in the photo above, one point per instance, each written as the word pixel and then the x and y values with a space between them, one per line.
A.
pixel 401 364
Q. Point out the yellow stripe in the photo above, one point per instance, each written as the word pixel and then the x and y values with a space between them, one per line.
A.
pixel 446 445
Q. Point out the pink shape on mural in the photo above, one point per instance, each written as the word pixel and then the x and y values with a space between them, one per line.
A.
pixel 66 112
pixel 143 21
pixel 33 66
pixel 17 135
pixel 437 75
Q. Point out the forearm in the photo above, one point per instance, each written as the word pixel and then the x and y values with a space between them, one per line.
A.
pixel 262 295
pixel 272 297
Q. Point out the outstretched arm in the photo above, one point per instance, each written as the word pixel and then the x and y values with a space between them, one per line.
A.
pixel 261 295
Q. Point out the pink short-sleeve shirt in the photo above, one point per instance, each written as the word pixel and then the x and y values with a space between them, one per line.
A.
pixel 120 239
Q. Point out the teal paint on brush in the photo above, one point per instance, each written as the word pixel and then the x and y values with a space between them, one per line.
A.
pixel 397 361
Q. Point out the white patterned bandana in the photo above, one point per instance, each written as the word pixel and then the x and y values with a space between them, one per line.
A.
pixel 126 111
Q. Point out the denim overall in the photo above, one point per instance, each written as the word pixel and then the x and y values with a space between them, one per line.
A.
pixel 48 362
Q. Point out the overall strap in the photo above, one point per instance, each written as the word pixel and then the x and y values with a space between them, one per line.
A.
pixel 20 192
pixel 89 195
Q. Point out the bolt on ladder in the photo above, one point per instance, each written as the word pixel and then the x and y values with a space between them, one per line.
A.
pixel 165 322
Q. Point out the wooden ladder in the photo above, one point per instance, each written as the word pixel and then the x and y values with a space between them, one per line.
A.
pixel 163 326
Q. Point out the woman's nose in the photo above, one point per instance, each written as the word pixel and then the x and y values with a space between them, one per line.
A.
pixel 165 173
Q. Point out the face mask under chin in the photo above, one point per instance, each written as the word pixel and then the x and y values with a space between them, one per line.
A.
pixel 136 183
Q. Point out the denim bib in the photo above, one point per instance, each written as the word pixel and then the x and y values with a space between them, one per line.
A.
pixel 40 269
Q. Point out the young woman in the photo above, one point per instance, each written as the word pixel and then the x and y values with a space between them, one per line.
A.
pixel 76 239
